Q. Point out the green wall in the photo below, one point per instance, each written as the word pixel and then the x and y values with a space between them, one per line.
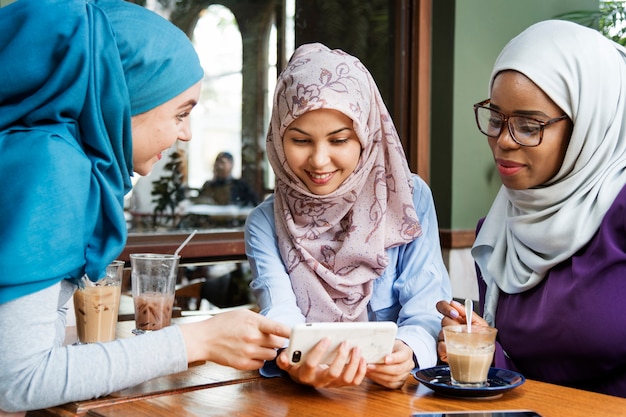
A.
pixel 467 37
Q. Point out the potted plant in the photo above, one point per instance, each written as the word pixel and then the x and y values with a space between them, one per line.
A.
pixel 609 19
pixel 168 192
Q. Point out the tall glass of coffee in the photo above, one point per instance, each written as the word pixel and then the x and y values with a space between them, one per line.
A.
pixel 97 304
pixel 153 281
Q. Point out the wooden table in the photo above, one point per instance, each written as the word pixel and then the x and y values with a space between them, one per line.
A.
pixel 282 397
pixel 212 390
pixel 257 396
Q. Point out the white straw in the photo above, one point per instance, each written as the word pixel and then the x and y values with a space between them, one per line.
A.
pixel 182 245
pixel 469 309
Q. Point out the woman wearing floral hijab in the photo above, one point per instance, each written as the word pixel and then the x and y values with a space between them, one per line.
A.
pixel 349 234
pixel 551 252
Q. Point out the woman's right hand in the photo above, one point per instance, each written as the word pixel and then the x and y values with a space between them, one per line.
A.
pixel 453 313
pixel 241 339
pixel 341 372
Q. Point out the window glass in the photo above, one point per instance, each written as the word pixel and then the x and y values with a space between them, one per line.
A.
pixel 216 120
pixel 243 44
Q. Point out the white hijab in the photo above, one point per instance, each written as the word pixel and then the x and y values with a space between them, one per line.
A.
pixel 527 232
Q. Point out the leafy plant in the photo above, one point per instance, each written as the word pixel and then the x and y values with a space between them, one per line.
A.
pixel 609 19
pixel 169 190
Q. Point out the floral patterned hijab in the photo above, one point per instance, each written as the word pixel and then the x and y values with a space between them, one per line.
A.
pixel 333 246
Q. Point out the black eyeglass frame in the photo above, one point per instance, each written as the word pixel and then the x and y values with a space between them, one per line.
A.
pixel 505 119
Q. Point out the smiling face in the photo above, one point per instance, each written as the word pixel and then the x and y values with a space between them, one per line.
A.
pixel 322 149
pixel 158 129
pixel 523 167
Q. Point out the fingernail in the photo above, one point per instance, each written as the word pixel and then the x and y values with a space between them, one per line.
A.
pixel 454 314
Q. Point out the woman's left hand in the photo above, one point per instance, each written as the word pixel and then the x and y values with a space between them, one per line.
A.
pixel 347 368
pixel 453 313
pixel 396 369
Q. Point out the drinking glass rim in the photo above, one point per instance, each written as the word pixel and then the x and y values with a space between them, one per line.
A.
pixel 461 328
pixel 154 256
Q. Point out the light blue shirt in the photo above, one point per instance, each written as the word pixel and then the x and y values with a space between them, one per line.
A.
pixel 407 292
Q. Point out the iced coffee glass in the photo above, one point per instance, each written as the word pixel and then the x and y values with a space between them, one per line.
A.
pixel 469 354
pixel 153 281
pixel 97 304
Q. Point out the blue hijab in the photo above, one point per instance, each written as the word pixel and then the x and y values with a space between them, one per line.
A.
pixel 72 73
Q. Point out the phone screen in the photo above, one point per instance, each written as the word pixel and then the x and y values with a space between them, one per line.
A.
pixel 506 413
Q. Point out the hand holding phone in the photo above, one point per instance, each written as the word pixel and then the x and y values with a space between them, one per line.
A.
pixel 375 339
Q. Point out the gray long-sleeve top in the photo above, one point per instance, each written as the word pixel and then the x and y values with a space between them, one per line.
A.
pixel 37 371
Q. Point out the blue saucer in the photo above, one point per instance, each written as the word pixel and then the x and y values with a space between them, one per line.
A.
pixel 499 381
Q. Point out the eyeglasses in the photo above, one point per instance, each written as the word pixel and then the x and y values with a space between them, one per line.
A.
pixel 525 131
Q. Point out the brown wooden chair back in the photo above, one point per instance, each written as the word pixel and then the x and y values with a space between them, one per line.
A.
pixel 189 292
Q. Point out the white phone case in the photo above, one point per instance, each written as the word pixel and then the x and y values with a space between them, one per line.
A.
pixel 374 338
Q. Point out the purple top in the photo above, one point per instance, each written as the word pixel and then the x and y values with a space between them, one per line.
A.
pixel 571 328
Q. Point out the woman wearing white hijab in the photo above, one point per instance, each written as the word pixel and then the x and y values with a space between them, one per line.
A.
pixel 551 253
pixel 350 234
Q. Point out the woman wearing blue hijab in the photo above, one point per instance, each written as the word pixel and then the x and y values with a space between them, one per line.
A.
pixel 90 92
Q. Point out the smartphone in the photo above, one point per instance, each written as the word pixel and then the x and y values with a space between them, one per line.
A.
pixel 375 338
pixel 490 413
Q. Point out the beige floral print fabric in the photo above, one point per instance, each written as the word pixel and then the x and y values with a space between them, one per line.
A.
pixel 333 246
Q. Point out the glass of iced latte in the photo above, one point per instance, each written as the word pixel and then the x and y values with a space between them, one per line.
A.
pixel 97 304
pixel 469 354
pixel 153 281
